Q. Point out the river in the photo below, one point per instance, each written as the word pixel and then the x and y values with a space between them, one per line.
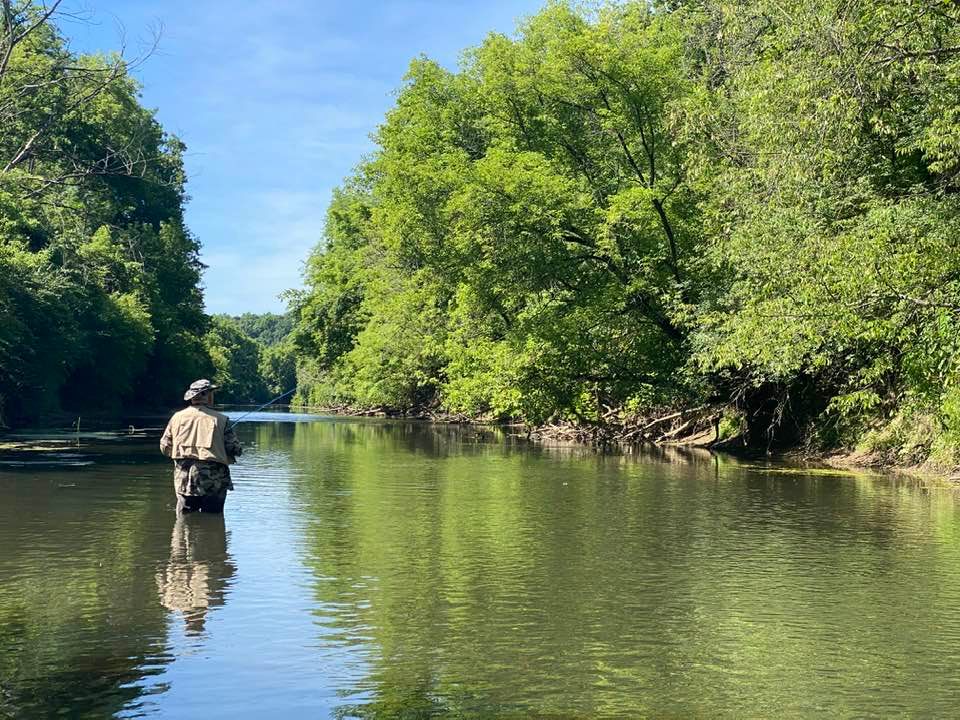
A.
pixel 379 569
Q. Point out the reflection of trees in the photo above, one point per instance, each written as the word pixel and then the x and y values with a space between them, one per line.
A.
pixel 399 703
pixel 79 617
pixel 459 566
pixel 488 582
pixel 395 436
pixel 199 570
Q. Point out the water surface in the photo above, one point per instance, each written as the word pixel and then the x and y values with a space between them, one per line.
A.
pixel 379 569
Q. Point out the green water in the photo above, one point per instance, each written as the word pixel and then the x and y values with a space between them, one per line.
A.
pixel 387 570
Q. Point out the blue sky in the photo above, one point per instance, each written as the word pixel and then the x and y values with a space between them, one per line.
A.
pixel 276 101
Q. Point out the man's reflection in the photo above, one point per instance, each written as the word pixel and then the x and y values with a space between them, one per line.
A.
pixel 198 573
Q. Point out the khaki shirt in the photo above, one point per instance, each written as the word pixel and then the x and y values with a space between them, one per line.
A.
pixel 200 433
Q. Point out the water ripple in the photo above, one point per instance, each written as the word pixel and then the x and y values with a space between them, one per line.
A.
pixel 379 570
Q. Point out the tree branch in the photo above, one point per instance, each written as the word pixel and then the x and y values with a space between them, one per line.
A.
pixel 12 39
pixel 27 146
pixel 668 230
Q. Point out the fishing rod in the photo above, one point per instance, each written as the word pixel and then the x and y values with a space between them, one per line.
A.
pixel 278 397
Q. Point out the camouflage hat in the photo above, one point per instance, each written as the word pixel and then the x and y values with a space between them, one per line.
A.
pixel 198 387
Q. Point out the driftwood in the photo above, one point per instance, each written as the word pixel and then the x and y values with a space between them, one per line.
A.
pixel 615 427
pixel 673 416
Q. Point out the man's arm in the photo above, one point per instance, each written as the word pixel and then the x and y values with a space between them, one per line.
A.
pixel 166 440
pixel 231 444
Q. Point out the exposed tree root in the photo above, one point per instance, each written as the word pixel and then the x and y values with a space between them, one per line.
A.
pixel 669 426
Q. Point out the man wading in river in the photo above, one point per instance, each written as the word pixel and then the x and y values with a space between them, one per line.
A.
pixel 202 448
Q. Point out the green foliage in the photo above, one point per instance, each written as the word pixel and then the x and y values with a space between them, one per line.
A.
pixel 237 363
pixel 332 313
pixel 829 184
pixel 254 355
pixel 37 340
pixel 99 278
pixel 268 329
pixel 278 368
pixel 752 203
pixel 523 242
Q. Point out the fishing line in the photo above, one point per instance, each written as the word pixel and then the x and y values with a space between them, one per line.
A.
pixel 278 397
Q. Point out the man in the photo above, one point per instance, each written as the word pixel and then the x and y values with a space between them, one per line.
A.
pixel 202 448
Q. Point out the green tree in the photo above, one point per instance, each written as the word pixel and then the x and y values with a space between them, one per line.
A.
pixel 99 278
pixel 523 242
pixel 828 157
pixel 268 329
pixel 278 368
pixel 237 361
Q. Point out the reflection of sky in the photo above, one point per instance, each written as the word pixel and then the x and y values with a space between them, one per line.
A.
pixel 405 566
pixel 276 101
pixel 268 643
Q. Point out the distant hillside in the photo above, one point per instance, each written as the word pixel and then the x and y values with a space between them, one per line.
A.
pixel 268 329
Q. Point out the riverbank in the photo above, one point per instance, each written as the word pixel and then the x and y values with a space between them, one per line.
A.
pixel 705 427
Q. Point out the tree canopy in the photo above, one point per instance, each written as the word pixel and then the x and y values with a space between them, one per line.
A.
pixel 524 241
pixel 99 276
pixel 101 300
pixel 626 205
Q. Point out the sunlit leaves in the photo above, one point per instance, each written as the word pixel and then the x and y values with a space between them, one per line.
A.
pixel 529 240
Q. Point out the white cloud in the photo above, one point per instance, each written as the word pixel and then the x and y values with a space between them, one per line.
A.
pixel 276 102
pixel 267 239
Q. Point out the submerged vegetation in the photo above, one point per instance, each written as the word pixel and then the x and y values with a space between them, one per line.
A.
pixel 633 208
pixel 744 213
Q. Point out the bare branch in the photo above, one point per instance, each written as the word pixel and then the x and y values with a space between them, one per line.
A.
pixel 15 39
pixel 27 146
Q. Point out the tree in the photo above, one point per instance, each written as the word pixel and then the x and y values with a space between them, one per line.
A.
pixel 268 329
pixel 236 360
pixel 829 165
pixel 523 242
pixel 99 277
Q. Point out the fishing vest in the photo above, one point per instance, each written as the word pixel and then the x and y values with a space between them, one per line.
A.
pixel 196 432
